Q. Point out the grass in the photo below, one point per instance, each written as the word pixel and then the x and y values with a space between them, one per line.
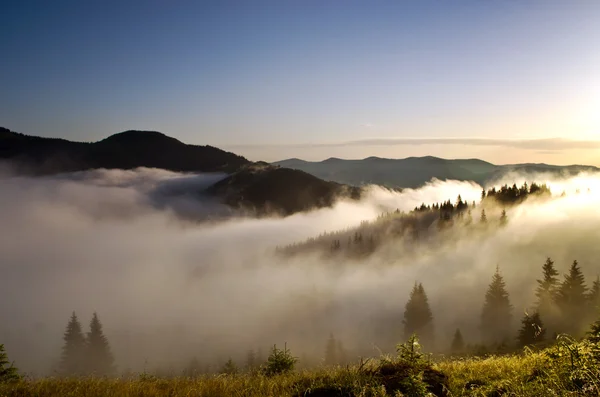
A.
pixel 567 369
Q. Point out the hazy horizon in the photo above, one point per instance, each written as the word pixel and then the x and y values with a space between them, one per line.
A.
pixel 310 74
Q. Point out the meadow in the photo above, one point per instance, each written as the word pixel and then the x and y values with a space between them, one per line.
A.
pixel 567 368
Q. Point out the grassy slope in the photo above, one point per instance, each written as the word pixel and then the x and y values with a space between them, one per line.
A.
pixel 559 371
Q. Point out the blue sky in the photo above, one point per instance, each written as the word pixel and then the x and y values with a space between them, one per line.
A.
pixel 247 74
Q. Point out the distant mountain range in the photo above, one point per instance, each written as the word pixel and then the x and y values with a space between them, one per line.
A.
pixel 285 187
pixel 257 187
pixel 413 172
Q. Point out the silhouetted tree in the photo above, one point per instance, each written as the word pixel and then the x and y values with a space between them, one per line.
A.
pixel 251 362
pixel 331 351
pixel 546 294
pixel 593 304
pixel 72 360
pixel 483 218
pixel 418 319
pixel 532 330
pixel 503 218
pixel 229 368
pixel 572 299
pixel 99 357
pixel 193 369
pixel 458 343
pixel 8 371
pixel 496 315
pixel 341 353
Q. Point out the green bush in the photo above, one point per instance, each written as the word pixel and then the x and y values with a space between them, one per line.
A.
pixel 279 362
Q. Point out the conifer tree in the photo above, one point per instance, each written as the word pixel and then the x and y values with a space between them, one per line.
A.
pixel 229 368
pixel 458 343
pixel 593 302
pixel 532 330
pixel 8 372
pixel 571 299
pixel 341 353
pixel 251 362
pixel 496 315
pixel 72 360
pixel 99 357
pixel 193 369
pixel 546 293
pixel 483 218
pixel 331 351
pixel 418 319
pixel 503 218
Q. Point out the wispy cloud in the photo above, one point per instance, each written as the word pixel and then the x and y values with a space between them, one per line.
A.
pixel 545 145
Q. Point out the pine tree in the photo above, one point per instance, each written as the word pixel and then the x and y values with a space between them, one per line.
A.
pixel 571 299
pixel 546 293
pixel 418 318
pixel 331 351
pixel 251 362
pixel 99 357
pixel 8 372
pixel 341 353
pixel 593 298
pixel 72 360
pixel 503 218
pixel 496 315
pixel 229 368
pixel 458 343
pixel 483 218
pixel 532 330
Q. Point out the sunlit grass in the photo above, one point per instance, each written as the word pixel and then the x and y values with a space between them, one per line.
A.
pixel 566 369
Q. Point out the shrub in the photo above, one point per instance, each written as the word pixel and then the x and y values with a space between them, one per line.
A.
pixel 279 362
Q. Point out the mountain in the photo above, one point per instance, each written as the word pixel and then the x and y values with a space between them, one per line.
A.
pixel 125 150
pixel 257 187
pixel 413 172
pixel 268 189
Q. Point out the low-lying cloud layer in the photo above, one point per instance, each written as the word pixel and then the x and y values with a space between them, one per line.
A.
pixel 166 288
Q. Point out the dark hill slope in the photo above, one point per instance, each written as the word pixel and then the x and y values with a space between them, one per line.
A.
pixel 126 150
pixel 269 189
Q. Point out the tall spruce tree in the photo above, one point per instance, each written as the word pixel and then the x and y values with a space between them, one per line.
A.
pixel 572 299
pixel 342 356
pixel 458 343
pixel 483 218
pixel 8 371
pixel 72 360
pixel 594 301
pixel 532 330
pixel 331 351
pixel 496 315
pixel 546 294
pixel 100 361
pixel 418 318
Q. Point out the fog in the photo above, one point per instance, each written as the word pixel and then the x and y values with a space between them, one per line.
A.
pixel 173 274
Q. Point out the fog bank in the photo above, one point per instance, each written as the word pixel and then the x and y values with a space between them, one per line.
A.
pixel 167 288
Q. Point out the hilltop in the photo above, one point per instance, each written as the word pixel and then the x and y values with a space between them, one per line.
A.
pixel 413 172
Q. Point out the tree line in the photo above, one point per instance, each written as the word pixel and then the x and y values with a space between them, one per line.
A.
pixel 561 307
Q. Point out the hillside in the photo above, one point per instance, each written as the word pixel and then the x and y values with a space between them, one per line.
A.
pixel 125 150
pixel 270 189
pixel 258 188
pixel 413 172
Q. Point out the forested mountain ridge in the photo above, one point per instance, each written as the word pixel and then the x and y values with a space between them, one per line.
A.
pixel 126 150
pixel 433 221
pixel 413 172
pixel 258 188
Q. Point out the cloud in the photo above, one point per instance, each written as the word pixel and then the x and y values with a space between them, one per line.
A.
pixel 168 289
pixel 546 145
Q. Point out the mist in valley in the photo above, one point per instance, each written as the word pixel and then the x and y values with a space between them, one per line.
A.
pixel 173 274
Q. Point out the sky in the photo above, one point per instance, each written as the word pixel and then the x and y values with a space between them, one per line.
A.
pixel 506 81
